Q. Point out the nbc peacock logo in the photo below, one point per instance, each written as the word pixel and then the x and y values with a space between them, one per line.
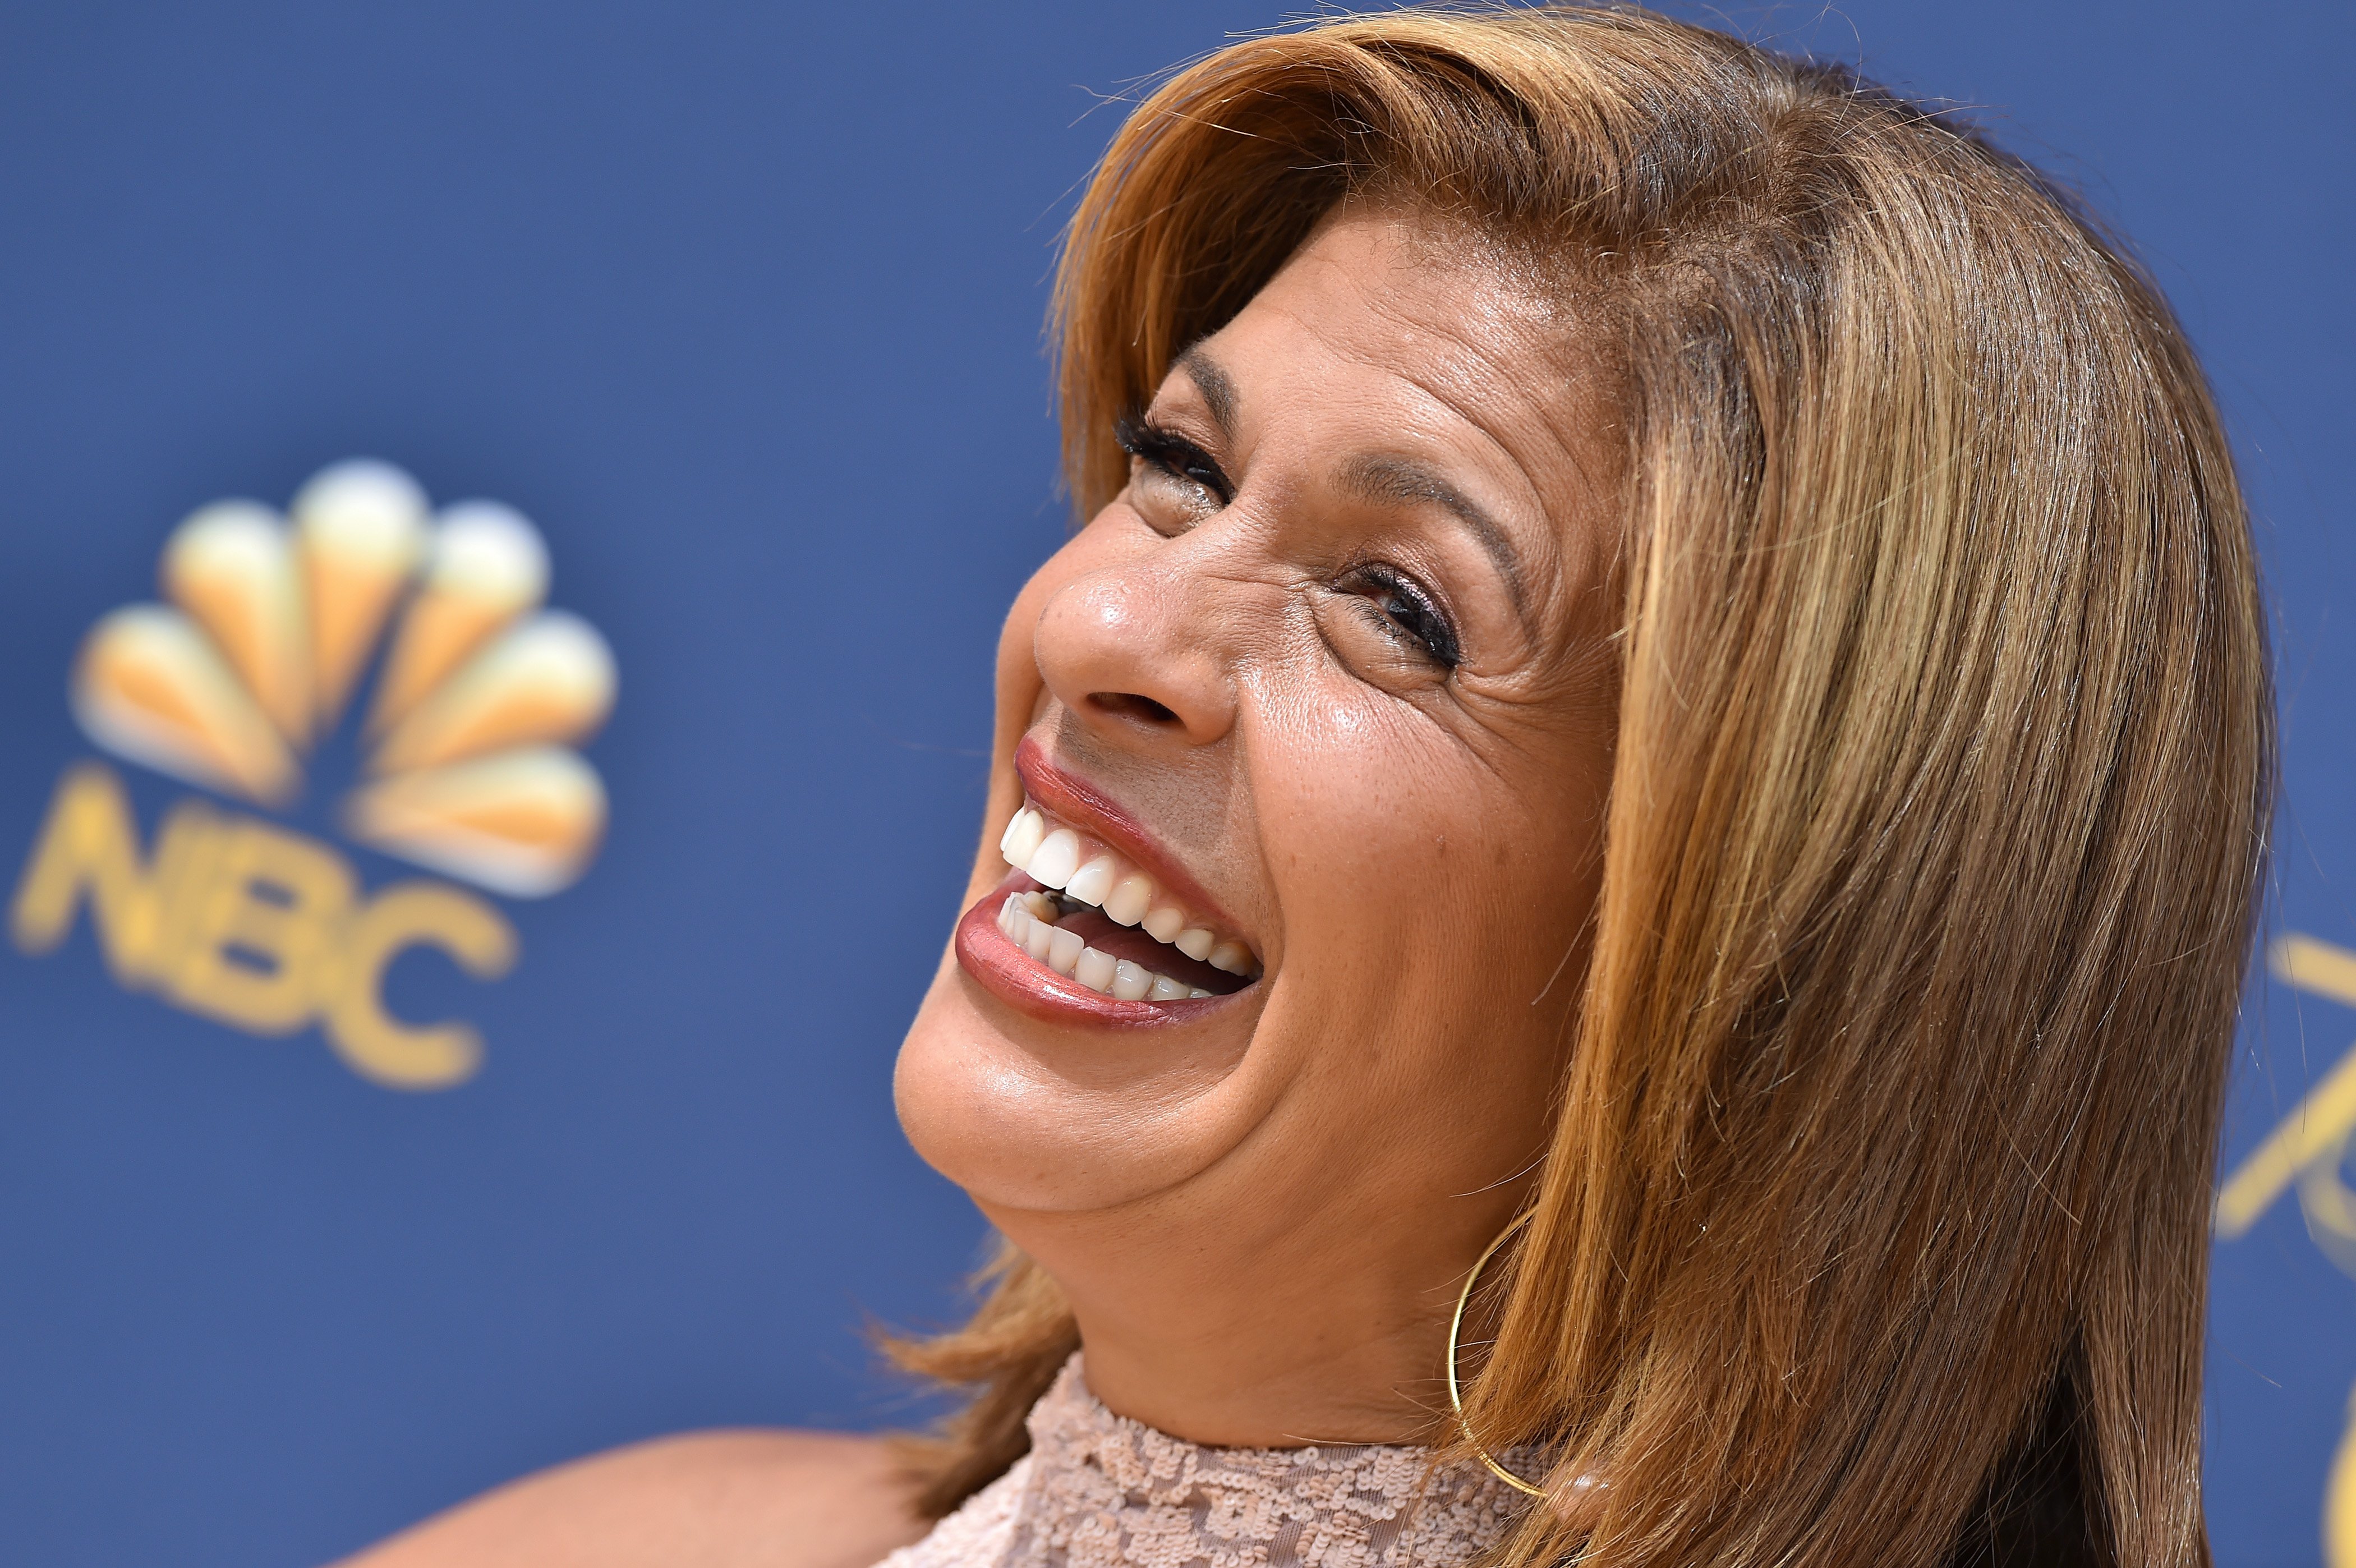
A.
pixel 358 614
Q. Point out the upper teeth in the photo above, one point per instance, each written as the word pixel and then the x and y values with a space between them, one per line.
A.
pixel 1059 857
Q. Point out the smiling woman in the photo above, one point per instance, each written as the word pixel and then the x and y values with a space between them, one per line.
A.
pixel 1661 684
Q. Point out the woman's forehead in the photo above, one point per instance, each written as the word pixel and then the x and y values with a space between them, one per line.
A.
pixel 1380 317
pixel 1385 286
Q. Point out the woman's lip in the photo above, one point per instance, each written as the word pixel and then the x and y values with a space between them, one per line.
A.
pixel 1028 986
pixel 1073 801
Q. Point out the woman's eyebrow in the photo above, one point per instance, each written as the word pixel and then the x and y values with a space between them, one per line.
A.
pixel 1403 481
pixel 1218 389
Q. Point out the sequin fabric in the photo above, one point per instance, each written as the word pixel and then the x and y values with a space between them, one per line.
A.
pixel 1097 1491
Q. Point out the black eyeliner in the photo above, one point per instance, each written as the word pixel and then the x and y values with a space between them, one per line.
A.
pixel 1437 632
pixel 1173 454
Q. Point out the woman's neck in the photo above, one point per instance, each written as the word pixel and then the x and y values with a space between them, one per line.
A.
pixel 1334 1335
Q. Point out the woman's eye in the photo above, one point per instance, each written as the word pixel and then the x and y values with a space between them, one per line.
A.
pixel 1157 453
pixel 1408 610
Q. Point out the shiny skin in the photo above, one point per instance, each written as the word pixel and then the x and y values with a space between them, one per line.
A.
pixel 1261 1216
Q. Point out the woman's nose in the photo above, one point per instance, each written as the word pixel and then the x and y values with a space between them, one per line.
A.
pixel 1124 652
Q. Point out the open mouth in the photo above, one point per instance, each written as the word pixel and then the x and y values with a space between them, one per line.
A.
pixel 1078 923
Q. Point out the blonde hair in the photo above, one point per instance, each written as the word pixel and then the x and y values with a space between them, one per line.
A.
pixel 1874 1225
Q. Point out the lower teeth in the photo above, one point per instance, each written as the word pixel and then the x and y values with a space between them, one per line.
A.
pixel 1028 919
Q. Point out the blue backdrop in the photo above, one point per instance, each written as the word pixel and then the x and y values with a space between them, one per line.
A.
pixel 740 304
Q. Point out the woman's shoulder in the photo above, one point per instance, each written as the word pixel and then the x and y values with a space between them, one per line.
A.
pixel 705 1499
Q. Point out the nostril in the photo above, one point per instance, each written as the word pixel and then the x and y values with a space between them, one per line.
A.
pixel 1130 704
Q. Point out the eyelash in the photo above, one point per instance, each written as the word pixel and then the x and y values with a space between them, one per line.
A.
pixel 1172 454
pixel 1424 620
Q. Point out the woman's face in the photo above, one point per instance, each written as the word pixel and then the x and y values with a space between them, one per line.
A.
pixel 1324 698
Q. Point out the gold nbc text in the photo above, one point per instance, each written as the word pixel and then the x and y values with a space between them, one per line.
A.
pixel 265 930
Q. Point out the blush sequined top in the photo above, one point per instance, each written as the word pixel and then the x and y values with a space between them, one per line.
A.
pixel 1098 1490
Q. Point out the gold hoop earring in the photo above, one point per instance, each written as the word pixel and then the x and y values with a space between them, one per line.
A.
pixel 1455 1327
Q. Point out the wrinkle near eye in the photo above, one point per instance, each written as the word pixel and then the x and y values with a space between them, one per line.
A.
pixel 1169 504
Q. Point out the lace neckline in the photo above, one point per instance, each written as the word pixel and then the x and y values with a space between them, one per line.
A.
pixel 1098 1489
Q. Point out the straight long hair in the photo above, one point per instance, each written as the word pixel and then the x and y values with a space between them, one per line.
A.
pixel 1873 1228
